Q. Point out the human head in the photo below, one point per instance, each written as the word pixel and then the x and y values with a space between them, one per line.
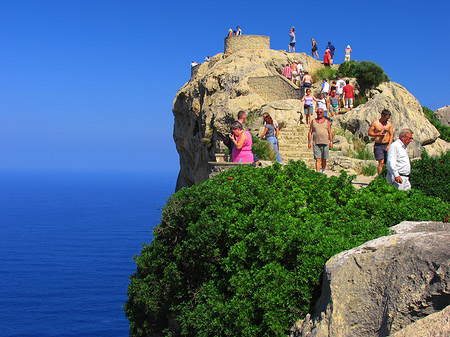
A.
pixel 236 126
pixel 321 95
pixel 325 80
pixel 329 42
pixel 385 114
pixel 319 112
pixel 348 47
pixel 405 136
pixel 293 28
pixel 242 115
pixel 308 91
pixel 333 93
pixel 347 81
pixel 268 119
pixel 237 27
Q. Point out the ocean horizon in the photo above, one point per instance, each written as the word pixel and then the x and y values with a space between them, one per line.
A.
pixel 67 241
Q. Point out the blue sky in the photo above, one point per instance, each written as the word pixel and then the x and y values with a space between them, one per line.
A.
pixel 90 84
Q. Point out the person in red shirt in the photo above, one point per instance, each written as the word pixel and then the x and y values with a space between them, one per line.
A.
pixel 327 58
pixel 348 95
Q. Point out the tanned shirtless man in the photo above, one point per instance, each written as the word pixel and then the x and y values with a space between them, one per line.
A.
pixel 383 133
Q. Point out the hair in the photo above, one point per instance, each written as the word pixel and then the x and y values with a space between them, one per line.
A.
pixel 334 82
pixel 241 114
pixel 236 125
pixel 347 81
pixel 329 42
pixel 404 132
pixel 268 119
pixel 308 89
pixel 386 112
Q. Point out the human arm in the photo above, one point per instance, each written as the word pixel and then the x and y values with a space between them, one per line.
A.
pixel 264 133
pixel 310 134
pixel 330 134
pixel 240 143
pixel 391 135
pixel 277 132
pixel 391 164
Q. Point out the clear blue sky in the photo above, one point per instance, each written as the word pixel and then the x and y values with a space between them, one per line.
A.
pixel 89 84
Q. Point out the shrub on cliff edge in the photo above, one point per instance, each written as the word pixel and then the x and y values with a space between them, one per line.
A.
pixel 242 254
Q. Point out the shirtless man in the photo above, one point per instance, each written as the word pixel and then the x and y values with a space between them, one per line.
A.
pixel 383 133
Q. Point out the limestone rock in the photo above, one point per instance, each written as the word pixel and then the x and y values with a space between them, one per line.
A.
pixel 406 113
pixel 383 285
pixel 443 115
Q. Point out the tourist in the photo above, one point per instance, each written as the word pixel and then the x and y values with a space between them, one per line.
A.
pixel 320 138
pixel 332 49
pixel 333 86
pixel 242 141
pixel 348 94
pixel 287 72
pixel 207 58
pixel 308 101
pixel 242 118
pixel 333 103
pixel 238 30
pixel 327 58
pixel 230 32
pixel 294 74
pixel 314 48
pixel 340 87
pixel 271 133
pixel 193 64
pixel 325 88
pixel 322 104
pixel 398 164
pixel 275 123
pixel 307 80
pixel 348 50
pixel 383 132
pixel 292 39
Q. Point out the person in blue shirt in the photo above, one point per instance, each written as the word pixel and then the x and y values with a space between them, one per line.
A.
pixel 332 49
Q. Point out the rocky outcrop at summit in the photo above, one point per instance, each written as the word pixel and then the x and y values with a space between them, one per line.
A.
pixel 443 115
pixel 384 285
pixel 250 80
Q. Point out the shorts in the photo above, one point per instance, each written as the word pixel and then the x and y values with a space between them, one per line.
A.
pixel 321 151
pixel 349 102
pixel 334 109
pixel 307 85
pixel 309 109
pixel 292 44
pixel 313 49
pixel 379 150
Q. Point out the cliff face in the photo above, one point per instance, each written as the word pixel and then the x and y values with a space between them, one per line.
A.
pixel 248 79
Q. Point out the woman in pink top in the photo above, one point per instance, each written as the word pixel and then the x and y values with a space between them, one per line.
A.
pixel 242 140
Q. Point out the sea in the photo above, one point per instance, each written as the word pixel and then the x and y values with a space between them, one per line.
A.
pixel 67 241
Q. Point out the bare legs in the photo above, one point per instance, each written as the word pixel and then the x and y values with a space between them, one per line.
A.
pixel 380 166
pixel 321 164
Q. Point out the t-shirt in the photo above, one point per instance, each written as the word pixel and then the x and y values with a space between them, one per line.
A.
pixel 322 104
pixel 325 87
pixel 331 48
pixel 340 85
pixel 348 91
pixel 270 131
pixel 292 37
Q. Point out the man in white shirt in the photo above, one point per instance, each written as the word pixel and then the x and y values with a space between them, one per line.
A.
pixel 325 88
pixel 398 164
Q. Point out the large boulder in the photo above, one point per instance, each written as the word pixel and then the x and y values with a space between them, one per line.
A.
pixel 406 113
pixel 443 115
pixel 383 285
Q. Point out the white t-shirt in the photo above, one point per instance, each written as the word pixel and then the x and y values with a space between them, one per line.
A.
pixel 340 85
pixel 325 87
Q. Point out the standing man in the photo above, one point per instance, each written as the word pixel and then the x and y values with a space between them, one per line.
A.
pixel 332 49
pixel 238 30
pixel 383 133
pixel 287 72
pixel 348 92
pixel 398 164
pixel 325 88
pixel 340 84
pixel 292 40
pixel 322 140
pixel 307 80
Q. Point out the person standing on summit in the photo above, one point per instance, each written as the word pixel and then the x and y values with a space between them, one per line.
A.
pixel 292 39
pixel 332 49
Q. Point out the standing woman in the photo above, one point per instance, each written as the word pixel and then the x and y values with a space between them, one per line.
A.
pixel 314 48
pixel 242 140
pixel 309 105
pixel 271 133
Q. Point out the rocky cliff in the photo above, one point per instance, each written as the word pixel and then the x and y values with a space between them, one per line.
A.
pixel 250 80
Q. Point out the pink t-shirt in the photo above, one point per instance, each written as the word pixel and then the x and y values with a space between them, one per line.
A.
pixel 245 154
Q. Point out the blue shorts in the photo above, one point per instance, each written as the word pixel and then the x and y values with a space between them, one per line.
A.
pixel 379 150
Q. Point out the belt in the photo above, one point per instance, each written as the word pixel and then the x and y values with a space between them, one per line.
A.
pixel 381 143
pixel 404 175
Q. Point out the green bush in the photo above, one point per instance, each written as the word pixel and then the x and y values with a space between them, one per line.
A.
pixel 443 129
pixel 369 75
pixel 262 149
pixel 347 69
pixel 243 253
pixel 368 170
pixel 431 175
pixel 328 73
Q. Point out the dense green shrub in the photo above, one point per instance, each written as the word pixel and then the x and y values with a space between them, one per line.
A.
pixel 347 69
pixel 242 254
pixel 326 72
pixel 262 149
pixel 432 175
pixel 443 129
pixel 369 74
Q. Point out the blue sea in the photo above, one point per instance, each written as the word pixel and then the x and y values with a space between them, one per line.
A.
pixel 67 241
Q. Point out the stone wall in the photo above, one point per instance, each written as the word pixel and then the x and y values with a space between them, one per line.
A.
pixel 237 42
pixel 274 88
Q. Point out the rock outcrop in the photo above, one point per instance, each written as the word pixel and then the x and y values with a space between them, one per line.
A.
pixel 250 80
pixel 443 115
pixel 384 285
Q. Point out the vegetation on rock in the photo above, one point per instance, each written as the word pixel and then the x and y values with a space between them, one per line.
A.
pixel 443 129
pixel 367 73
pixel 242 254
